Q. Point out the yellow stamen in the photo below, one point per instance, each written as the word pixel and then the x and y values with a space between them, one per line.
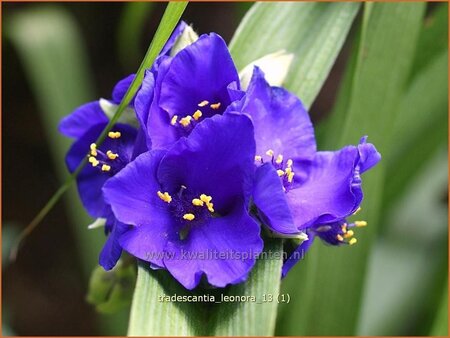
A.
pixel 289 163
pixel 269 152
pixel 339 238
pixel 165 197
pixel 106 167
pixel 361 223
pixel 291 177
pixel 215 105
pixel 174 119
pixel 197 202
pixel 111 155
pixel 93 161
pixel 258 158
pixel 93 149
pixel 188 217
pixel 185 121
pixel 349 234
pixel 357 210
pixel 210 207
pixel 203 103
pixel 114 134
pixel 280 172
pixel 197 115
pixel 205 198
pixel 353 241
pixel 288 171
pixel 279 159
pixel 344 227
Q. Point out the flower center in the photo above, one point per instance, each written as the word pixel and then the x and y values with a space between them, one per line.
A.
pixel 109 162
pixel 189 209
pixel 284 168
pixel 341 233
pixel 188 122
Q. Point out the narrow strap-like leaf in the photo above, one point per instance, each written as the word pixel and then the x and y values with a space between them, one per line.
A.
pixel 314 32
pixel 333 280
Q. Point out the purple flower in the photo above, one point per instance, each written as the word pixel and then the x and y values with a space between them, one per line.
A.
pixel 124 143
pixel 187 207
pixel 296 188
pixel 198 82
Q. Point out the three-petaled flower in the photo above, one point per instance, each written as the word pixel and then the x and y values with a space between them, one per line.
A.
pixel 208 165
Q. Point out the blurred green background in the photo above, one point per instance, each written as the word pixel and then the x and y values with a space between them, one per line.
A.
pixel 58 56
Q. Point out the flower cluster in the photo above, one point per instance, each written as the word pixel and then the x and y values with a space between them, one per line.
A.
pixel 208 166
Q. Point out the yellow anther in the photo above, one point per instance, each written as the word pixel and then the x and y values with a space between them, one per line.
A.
pixel 197 202
pixel 210 207
pixel 344 227
pixel 165 196
pixel 106 167
pixel 215 105
pixel 349 234
pixel 339 238
pixel 357 210
pixel 205 198
pixel 361 223
pixel 291 177
pixel 93 148
pixel 258 158
pixel 185 121
pixel 289 163
pixel 280 172
pixel 93 161
pixel 203 103
pixel 353 241
pixel 188 217
pixel 288 171
pixel 111 155
pixel 114 134
pixel 269 152
pixel 174 119
pixel 197 115
pixel 279 159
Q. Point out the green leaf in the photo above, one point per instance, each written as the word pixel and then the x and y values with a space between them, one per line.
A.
pixel 131 25
pixel 111 291
pixel 433 38
pixel 49 45
pixel 409 254
pixel 332 281
pixel 253 318
pixel 440 326
pixel 314 32
pixel 172 318
pixel 419 126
